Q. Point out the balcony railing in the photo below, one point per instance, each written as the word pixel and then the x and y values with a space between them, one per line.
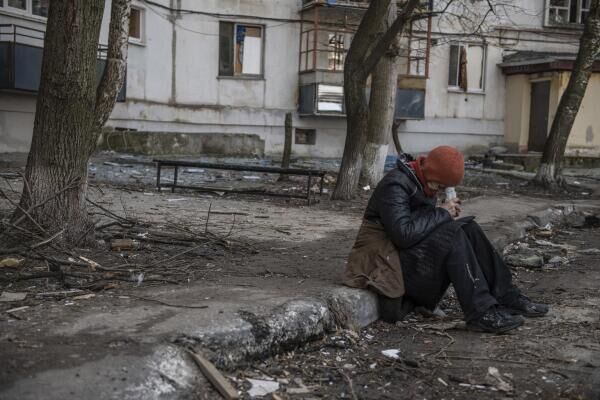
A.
pixel 21 51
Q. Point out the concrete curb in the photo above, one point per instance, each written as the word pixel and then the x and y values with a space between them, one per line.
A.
pixel 255 336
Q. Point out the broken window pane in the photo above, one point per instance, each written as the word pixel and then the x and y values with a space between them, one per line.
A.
pixel 475 70
pixel 336 51
pixel 305 136
pixel 20 4
pixel 330 98
pixel 248 50
pixel 559 11
pixel 454 67
pixel 226 48
pixel 135 24
pixel 40 7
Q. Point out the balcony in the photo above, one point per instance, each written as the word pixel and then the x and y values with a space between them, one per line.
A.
pixel 326 31
pixel 21 51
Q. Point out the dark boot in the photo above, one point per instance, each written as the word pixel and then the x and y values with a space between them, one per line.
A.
pixel 494 321
pixel 394 310
pixel 522 305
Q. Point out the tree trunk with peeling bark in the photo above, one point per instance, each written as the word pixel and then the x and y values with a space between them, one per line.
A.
pixel 366 50
pixel 382 102
pixel 549 174
pixel 71 110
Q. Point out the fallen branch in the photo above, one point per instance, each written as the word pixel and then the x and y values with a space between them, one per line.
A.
pixel 164 303
pixel 215 377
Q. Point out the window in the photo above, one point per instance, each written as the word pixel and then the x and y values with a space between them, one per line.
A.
pixel 20 4
pixel 467 67
pixel 318 98
pixel 40 7
pixel 136 24
pixel 34 7
pixel 330 98
pixel 240 49
pixel 567 12
pixel 305 136
pixel 337 51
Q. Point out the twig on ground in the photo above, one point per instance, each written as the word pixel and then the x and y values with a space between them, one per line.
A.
pixel 350 385
pixel 164 303
pixel 207 218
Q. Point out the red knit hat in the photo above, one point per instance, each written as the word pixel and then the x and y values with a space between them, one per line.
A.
pixel 445 165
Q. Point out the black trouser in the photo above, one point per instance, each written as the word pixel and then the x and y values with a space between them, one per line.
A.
pixel 476 270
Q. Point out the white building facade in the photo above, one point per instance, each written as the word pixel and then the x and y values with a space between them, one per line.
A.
pixel 218 76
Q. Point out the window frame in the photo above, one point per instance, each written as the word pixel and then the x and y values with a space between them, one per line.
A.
pixel 142 26
pixel 456 88
pixel 234 58
pixel 27 12
pixel 579 9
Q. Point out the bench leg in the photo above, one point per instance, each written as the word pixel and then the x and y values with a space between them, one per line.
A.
pixel 321 185
pixel 308 189
pixel 158 167
pixel 174 179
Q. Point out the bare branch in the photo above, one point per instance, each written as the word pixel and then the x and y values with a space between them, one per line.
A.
pixel 116 61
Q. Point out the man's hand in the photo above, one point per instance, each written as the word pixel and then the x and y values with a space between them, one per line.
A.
pixel 453 207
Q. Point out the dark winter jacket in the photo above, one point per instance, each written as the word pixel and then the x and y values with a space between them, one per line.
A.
pixel 398 216
pixel 399 204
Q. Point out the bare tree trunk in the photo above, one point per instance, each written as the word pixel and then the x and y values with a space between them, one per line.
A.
pixel 549 174
pixel 384 84
pixel 66 119
pixel 367 48
pixel 287 146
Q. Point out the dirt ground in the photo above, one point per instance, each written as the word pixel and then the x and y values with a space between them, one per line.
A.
pixel 187 237
pixel 556 357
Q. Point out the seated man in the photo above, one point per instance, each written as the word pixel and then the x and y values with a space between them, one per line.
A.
pixel 409 251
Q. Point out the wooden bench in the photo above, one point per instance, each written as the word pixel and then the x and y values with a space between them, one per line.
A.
pixel 176 164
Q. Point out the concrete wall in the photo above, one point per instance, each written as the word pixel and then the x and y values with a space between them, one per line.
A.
pixel 173 83
pixel 584 135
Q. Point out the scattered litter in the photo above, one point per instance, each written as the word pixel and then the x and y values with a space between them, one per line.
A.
pixel 262 387
pixel 373 366
pixel 496 380
pixel 558 260
pixel 148 194
pixel 12 310
pixel 177 199
pixel 10 262
pixel 546 233
pixel 111 164
pixel 122 244
pixel 367 188
pixel 92 263
pixel 530 261
pixel 576 183
pixel 301 389
pixel 440 380
pixel 84 296
pixel 16 296
pixel 589 251
pixel 251 177
pixel 193 170
pixel 391 353
pixel 550 244
pixel 468 385
pixel 369 337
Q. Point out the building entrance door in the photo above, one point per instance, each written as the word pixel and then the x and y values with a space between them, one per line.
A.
pixel 538 116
